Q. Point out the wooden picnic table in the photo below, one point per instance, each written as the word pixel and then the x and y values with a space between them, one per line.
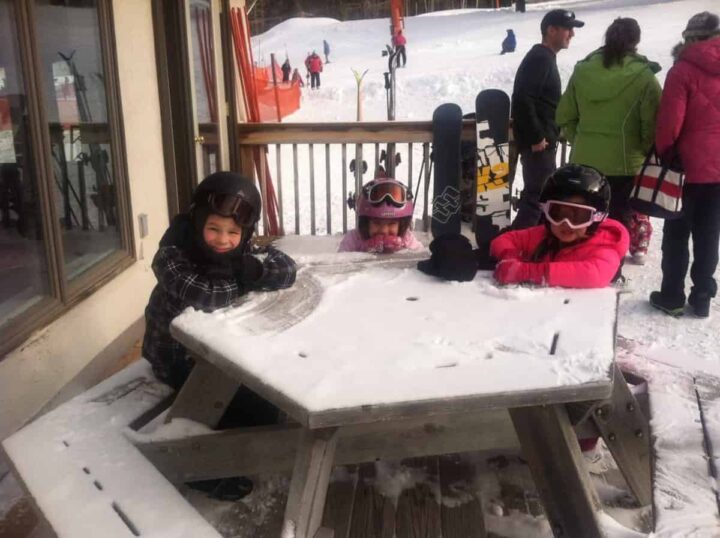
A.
pixel 365 355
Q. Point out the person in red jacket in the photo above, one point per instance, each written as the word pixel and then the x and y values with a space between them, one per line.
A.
pixel 576 247
pixel 399 43
pixel 688 127
pixel 315 66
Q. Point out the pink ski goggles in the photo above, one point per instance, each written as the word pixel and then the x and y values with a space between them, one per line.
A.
pixel 576 216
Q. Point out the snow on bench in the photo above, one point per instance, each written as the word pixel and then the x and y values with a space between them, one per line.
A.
pixel 87 478
pixel 684 492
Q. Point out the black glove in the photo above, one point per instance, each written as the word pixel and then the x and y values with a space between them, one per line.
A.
pixel 248 269
pixel 452 258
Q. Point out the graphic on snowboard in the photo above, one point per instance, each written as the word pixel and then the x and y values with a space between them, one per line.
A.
pixel 492 202
pixel 447 128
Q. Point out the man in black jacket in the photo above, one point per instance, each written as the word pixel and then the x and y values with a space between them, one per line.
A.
pixel 535 97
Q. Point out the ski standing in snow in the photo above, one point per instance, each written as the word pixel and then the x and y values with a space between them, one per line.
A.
pixel 535 97
pixel 576 247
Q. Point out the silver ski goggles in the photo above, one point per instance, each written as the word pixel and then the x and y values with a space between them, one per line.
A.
pixel 576 216
pixel 232 205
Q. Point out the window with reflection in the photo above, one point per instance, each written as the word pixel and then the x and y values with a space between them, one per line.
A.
pixel 85 194
pixel 64 223
pixel 23 266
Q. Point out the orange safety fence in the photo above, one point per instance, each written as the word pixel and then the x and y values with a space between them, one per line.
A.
pixel 274 106
pixel 243 57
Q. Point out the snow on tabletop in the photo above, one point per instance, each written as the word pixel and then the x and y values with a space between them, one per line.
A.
pixel 389 335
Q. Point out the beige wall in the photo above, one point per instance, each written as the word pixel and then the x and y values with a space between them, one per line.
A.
pixel 34 373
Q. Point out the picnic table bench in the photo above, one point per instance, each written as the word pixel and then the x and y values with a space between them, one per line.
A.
pixel 370 359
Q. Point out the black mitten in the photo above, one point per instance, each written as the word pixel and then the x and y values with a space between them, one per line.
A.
pixel 248 269
pixel 452 258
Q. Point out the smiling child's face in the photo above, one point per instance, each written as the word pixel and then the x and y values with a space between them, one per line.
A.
pixel 383 227
pixel 221 234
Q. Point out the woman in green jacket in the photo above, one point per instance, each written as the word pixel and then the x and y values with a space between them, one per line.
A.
pixel 608 114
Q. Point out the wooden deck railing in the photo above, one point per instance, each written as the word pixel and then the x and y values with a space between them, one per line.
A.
pixel 288 154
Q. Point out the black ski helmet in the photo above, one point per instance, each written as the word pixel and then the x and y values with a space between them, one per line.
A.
pixel 582 180
pixel 212 194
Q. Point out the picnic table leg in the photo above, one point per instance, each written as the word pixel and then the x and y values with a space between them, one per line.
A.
pixel 626 433
pixel 551 448
pixel 205 395
pixel 308 487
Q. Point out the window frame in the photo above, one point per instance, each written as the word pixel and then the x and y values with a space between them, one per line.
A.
pixel 63 294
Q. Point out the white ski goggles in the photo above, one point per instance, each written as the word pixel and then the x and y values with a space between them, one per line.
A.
pixel 576 216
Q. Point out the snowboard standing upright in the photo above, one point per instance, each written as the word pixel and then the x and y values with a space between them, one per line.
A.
pixel 492 202
pixel 447 128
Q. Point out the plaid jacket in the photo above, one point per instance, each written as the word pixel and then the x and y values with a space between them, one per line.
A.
pixel 182 283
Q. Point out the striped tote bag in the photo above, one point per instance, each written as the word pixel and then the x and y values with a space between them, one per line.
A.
pixel 657 189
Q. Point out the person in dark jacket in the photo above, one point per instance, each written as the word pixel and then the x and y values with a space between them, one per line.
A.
pixel 326 51
pixel 399 41
pixel 205 261
pixel 509 43
pixel 688 127
pixel 535 97
pixel 286 70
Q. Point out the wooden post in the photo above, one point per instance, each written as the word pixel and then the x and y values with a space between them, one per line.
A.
pixel 626 433
pixel 551 449
pixel 308 487
pixel 205 395
pixel 275 87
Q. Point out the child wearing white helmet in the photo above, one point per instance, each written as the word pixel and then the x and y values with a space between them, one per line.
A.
pixel 385 210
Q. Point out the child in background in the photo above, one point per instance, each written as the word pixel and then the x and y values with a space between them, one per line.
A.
pixel 385 210
pixel 205 261
pixel 576 247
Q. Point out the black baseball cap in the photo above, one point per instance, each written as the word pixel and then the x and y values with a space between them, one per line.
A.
pixel 560 17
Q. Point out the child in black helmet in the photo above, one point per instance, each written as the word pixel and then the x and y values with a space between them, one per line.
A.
pixel 576 247
pixel 205 261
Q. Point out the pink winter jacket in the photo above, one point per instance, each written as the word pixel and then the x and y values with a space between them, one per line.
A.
pixel 588 264
pixel 689 114
pixel 352 241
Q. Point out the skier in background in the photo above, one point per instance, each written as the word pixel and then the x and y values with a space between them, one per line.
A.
pixel 509 43
pixel 385 210
pixel 307 68
pixel 576 247
pixel 535 97
pixel 286 69
pixel 315 66
pixel 399 43
pixel 326 51
pixel 297 78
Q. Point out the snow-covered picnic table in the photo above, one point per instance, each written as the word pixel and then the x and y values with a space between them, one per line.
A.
pixel 359 350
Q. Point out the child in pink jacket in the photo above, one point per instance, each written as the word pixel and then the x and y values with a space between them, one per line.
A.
pixel 576 247
pixel 385 209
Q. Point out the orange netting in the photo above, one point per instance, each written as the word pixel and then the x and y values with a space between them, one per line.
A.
pixel 283 97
